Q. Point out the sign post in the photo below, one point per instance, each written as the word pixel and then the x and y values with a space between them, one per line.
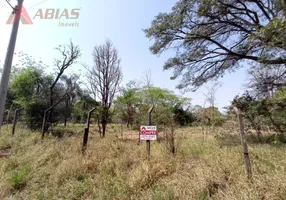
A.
pixel 149 123
pixel 148 132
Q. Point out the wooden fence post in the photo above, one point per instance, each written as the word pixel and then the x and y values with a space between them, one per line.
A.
pixel 86 131
pixel 45 115
pixel 44 123
pixel 243 142
pixel 16 114
pixel 148 144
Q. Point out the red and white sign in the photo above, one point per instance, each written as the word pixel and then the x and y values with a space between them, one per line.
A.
pixel 148 133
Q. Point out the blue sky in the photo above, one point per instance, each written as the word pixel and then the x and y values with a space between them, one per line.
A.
pixel 122 21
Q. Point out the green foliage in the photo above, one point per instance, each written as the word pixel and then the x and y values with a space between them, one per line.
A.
pixel 34 113
pixel 29 89
pixel 210 116
pixel 273 33
pixel 133 105
pixel 267 111
pixel 164 102
pixel 19 177
pixel 126 103
pixel 280 95
pixel 81 108
pixel 24 85
pixel 183 116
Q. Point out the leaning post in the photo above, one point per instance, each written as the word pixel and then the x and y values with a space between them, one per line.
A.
pixel 86 131
pixel 16 114
pixel 243 142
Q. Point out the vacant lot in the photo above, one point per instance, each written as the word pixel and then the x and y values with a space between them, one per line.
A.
pixel 117 168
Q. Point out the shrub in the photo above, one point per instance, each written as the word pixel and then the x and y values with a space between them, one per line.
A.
pixel 19 178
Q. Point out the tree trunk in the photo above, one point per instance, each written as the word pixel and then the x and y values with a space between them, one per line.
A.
pixel 50 112
pixel 66 113
pixel 44 124
pixel 104 121
pixel 173 150
pixel 99 127
pixel 48 120
pixel 103 128
pixel 244 144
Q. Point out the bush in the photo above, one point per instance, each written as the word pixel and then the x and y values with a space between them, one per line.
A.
pixel 34 115
pixel 19 178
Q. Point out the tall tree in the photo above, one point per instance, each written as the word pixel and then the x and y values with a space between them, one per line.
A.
pixel 250 107
pixel 104 78
pixel 69 54
pixel 126 105
pixel 212 37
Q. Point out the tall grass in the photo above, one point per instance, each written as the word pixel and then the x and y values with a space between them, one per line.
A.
pixel 119 169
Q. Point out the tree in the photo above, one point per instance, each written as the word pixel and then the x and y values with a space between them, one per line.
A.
pixel 210 116
pixel 264 81
pixel 183 116
pixel 248 105
pixel 29 89
pixel 69 54
pixel 104 78
pixel 210 98
pixel 81 107
pixel 212 37
pixel 75 91
pixel 126 105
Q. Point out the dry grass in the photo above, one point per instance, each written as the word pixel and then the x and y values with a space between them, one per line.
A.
pixel 119 169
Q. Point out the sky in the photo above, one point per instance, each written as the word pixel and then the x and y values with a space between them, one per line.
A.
pixel 121 21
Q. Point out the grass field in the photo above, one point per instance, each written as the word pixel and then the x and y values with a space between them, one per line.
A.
pixel 115 168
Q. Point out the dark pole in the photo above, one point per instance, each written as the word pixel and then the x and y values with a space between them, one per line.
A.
pixel 86 131
pixel 44 123
pixel 66 113
pixel 148 145
pixel 16 114
pixel 8 60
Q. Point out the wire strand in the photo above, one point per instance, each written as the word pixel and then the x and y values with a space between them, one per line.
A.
pixel 10 5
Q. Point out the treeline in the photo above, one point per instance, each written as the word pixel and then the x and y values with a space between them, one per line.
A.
pixel 264 103
pixel 61 98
